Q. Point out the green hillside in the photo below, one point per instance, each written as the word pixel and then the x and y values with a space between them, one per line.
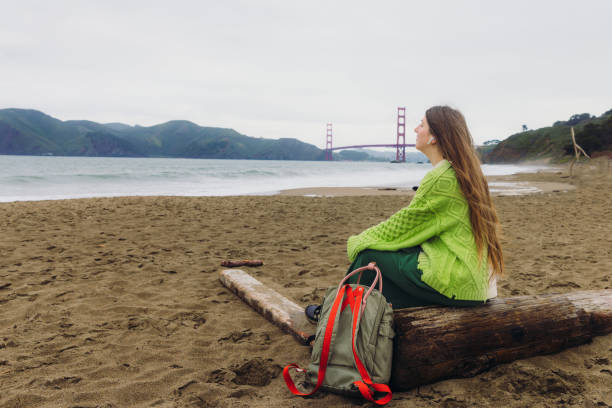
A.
pixel 30 132
pixel 593 134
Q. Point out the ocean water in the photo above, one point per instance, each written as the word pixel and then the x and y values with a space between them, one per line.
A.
pixel 25 178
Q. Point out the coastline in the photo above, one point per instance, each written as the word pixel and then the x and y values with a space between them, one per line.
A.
pixel 32 179
pixel 116 301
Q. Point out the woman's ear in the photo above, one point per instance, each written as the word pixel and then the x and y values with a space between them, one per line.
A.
pixel 431 139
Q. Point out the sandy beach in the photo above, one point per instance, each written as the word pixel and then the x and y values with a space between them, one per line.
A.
pixel 116 302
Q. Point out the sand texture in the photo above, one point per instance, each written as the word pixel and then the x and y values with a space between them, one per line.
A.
pixel 116 302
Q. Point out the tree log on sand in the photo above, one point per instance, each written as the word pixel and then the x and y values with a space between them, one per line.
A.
pixel 434 343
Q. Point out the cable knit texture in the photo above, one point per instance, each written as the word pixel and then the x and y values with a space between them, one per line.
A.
pixel 438 219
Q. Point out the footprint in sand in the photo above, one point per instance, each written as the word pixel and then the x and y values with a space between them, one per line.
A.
pixel 220 376
pixel 543 382
pixel 262 339
pixel 589 363
pixel 257 372
pixel 62 382
pixel 236 336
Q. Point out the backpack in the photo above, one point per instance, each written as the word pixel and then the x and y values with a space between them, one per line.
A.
pixel 353 346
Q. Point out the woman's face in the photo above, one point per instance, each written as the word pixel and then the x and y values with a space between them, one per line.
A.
pixel 422 134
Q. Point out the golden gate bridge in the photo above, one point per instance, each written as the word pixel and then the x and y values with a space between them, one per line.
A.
pixel 400 145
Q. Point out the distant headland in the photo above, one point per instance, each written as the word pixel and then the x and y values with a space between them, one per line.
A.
pixel 554 143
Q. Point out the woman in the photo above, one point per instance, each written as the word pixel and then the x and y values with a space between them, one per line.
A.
pixel 443 249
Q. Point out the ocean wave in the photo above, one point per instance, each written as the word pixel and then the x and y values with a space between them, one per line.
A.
pixel 34 178
pixel 22 179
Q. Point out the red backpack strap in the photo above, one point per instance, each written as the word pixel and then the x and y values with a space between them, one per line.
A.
pixel 366 386
pixel 329 330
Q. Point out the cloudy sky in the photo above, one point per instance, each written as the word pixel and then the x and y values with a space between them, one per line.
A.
pixel 284 68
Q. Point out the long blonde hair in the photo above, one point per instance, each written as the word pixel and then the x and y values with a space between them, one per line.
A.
pixel 457 146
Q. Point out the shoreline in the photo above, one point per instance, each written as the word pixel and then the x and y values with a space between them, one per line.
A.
pixel 521 183
pixel 507 184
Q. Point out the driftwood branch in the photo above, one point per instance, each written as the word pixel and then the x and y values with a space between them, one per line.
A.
pixel 577 151
pixel 244 262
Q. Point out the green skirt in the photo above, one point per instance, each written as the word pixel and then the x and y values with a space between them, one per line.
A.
pixel 402 284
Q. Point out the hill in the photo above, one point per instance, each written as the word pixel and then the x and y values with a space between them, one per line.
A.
pixel 30 132
pixel 593 134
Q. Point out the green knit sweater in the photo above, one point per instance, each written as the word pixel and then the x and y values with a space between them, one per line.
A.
pixel 438 219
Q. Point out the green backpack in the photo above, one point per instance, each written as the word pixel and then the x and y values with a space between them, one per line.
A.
pixel 353 346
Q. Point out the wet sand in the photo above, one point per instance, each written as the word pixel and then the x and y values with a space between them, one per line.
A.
pixel 499 186
pixel 115 302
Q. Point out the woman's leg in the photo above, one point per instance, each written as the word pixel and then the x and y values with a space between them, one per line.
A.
pixel 402 285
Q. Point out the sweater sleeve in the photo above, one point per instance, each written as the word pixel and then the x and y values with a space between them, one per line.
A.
pixel 408 227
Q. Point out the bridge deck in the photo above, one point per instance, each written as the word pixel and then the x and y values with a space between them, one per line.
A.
pixel 373 145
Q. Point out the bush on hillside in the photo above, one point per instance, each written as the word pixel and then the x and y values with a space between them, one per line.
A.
pixel 593 138
pixel 574 119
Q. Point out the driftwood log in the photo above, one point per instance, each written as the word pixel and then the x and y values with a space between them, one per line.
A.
pixel 434 343
pixel 272 305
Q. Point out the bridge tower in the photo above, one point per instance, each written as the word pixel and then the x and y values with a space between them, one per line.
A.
pixel 328 143
pixel 400 152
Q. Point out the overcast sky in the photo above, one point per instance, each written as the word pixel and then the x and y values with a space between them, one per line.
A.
pixel 285 68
